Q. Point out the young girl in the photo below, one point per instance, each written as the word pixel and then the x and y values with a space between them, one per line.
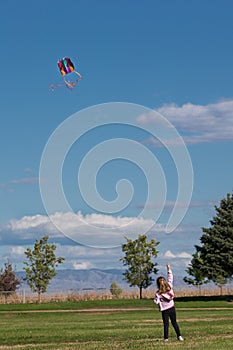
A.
pixel 164 297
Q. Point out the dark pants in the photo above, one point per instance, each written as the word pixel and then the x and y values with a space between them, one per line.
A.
pixel 166 314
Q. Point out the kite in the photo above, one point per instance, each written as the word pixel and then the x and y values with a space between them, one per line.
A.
pixel 66 67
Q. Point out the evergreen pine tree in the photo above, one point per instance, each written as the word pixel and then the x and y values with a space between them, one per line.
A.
pixel 194 269
pixel 216 249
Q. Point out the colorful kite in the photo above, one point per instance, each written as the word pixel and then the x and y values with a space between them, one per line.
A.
pixel 66 67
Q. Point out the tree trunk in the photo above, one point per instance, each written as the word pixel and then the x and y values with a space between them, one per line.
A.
pixel 140 289
pixel 6 297
pixel 39 298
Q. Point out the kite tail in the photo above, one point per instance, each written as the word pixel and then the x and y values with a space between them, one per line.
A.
pixel 53 87
pixel 69 84
pixel 79 75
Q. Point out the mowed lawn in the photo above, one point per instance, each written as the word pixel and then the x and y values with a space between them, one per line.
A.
pixel 113 325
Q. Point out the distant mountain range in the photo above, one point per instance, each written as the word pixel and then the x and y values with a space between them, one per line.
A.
pixel 78 280
pixel 87 279
pixel 90 279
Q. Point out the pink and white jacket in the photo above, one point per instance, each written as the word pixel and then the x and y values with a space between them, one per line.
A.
pixel 165 300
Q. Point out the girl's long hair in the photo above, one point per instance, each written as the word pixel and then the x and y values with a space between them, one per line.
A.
pixel 163 285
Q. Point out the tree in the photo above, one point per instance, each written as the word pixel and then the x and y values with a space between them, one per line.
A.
pixel 194 269
pixel 115 290
pixel 41 265
pixel 139 254
pixel 216 248
pixel 8 280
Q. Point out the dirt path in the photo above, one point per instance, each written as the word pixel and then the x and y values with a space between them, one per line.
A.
pixel 116 309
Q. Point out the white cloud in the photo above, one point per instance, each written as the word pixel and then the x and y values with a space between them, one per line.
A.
pixel 18 250
pixel 169 254
pixel 83 265
pixel 182 255
pixel 20 234
pixel 28 222
pixel 94 230
pixel 25 180
pixel 76 256
pixel 209 123
pixel 77 253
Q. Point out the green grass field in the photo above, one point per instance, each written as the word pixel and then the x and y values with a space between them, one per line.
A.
pixel 114 324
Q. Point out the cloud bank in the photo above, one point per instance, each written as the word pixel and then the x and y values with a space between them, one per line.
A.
pixel 19 234
pixel 94 230
pixel 197 123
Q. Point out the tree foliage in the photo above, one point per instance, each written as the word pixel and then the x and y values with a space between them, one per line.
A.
pixel 41 264
pixel 214 256
pixel 8 280
pixel 115 290
pixel 194 270
pixel 139 255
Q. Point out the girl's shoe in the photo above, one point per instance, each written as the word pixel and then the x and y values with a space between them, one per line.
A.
pixel 180 338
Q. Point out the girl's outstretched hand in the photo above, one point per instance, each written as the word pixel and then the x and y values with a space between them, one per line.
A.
pixel 168 266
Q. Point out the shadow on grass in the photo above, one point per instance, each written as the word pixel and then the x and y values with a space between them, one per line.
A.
pixel 228 298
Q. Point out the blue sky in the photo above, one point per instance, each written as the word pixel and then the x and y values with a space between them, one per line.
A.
pixel 174 57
